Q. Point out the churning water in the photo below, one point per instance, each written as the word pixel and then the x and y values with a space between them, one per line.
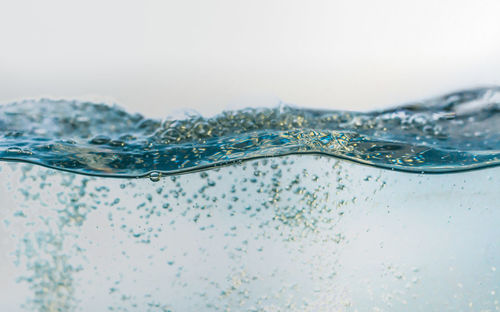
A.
pixel 271 209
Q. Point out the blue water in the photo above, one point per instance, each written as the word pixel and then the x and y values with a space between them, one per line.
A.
pixel 350 217
pixel 458 131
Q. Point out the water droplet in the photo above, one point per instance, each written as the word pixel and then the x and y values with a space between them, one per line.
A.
pixel 82 119
pixel 171 134
pixel 117 143
pixel 155 176
pixel 202 129
pixel 100 139
pixel 14 150
pixel 40 131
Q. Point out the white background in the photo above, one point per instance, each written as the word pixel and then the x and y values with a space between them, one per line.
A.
pixel 160 56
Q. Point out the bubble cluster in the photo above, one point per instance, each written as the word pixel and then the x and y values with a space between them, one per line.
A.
pixel 265 235
pixel 237 212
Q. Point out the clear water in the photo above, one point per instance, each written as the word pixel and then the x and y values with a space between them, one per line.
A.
pixel 277 208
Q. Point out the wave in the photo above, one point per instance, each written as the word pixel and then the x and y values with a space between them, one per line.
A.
pixel 455 132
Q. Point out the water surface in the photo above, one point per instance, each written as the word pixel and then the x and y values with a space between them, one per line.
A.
pixel 458 131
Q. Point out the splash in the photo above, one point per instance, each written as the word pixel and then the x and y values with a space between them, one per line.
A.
pixel 455 132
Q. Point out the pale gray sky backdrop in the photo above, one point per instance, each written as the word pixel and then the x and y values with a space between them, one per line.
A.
pixel 160 56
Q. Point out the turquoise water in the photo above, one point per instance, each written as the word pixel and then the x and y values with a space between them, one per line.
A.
pixel 458 131
pixel 297 210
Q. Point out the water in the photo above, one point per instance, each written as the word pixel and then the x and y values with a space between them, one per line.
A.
pixel 277 208
pixel 455 132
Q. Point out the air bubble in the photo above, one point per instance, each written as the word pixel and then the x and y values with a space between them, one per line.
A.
pixel 14 150
pixel 155 176
pixel 100 139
